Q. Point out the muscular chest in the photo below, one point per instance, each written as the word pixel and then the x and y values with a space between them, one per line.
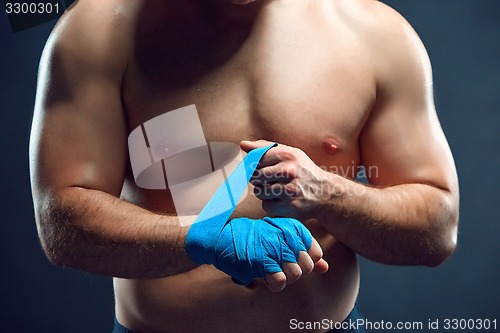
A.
pixel 294 85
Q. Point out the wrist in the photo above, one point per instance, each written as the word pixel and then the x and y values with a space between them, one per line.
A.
pixel 335 196
pixel 182 236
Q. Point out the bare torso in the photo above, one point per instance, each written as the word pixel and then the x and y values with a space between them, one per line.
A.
pixel 298 75
pixel 345 82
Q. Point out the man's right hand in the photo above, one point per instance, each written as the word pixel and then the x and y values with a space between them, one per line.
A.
pixel 280 250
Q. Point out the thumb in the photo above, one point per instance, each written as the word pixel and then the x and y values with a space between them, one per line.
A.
pixel 246 145
pixel 321 266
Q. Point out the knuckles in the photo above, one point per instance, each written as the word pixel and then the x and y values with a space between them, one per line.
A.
pixel 290 170
pixel 293 273
pixel 316 255
pixel 308 267
pixel 276 282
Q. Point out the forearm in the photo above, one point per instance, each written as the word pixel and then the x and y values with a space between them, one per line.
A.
pixel 403 224
pixel 99 233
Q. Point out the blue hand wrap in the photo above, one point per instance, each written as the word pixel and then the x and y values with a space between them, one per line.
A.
pixel 244 248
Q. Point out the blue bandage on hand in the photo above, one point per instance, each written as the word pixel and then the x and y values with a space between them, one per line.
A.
pixel 244 248
pixel 247 249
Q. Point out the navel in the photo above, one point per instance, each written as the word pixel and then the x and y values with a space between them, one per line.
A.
pixel 330 144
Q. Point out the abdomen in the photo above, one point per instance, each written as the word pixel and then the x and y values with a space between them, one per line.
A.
pixel 207 299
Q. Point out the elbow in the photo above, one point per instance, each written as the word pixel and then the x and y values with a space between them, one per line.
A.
pixel 440 256
pixel 443 243
pixel 54 254
pixel 56 234
pixel 442 234
pixel 54 244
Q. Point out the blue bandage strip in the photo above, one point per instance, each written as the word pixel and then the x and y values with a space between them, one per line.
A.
pixel 242 247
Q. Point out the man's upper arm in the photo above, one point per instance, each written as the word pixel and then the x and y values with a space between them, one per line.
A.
pixel 79 131
pixel 402 141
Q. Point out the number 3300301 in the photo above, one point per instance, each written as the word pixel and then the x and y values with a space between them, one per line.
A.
pixel 32 8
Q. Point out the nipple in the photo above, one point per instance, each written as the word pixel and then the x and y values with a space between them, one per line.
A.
pixel 330 144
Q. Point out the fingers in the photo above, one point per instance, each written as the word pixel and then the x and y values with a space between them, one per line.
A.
pixel 321 266
pixel 316 254
pixel 315 251
pixel 305 262
pixel 275 191
pixel 273 156
pixel 276 282
pixel 281 172
pixel 291 272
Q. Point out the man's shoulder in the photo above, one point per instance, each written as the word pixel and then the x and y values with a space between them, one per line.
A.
pixel 387 37
pixel 368 17
pixel 94 32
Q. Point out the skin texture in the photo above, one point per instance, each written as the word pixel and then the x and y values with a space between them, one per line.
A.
pixel 336 83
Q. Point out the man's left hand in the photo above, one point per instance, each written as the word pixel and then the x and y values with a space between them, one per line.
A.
pixel 288 182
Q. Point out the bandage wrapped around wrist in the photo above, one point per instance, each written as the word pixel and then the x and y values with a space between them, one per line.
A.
pixel 244 248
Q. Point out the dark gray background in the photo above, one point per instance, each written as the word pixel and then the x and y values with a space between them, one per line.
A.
pixel 463 40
